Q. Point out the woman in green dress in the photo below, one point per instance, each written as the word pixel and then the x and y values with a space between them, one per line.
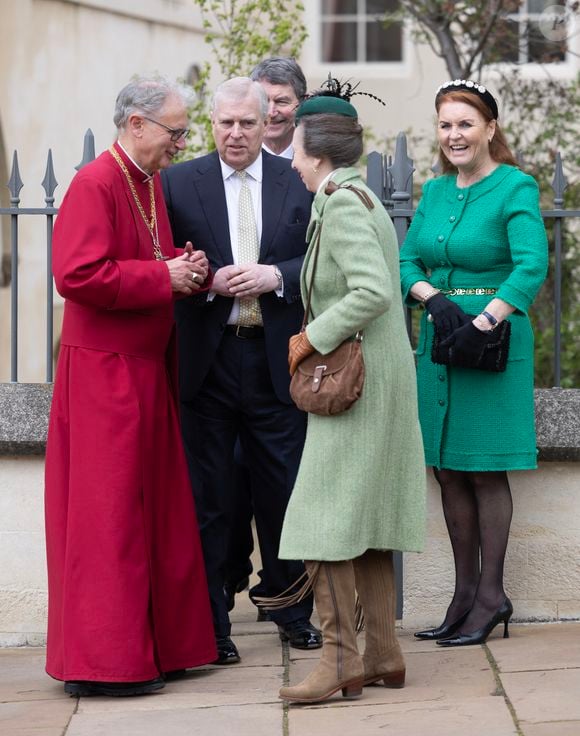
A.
pixel 360 490
pixel 475 255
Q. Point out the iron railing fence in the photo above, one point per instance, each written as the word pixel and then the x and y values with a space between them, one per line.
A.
pixel 15 212
pixel 389 176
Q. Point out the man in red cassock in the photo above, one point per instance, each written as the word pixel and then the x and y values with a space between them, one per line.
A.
pixel 128 601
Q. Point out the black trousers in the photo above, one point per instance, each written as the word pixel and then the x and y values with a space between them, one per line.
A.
pixel 241 541
pixel 237 399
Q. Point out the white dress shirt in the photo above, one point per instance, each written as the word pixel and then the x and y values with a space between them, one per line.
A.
pixel 286 153
pixel 232 187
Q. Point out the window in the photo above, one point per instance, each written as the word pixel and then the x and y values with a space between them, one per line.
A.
pixel 354 31
pixel 535 32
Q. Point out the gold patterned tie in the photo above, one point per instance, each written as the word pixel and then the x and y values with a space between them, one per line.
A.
pixel 248 249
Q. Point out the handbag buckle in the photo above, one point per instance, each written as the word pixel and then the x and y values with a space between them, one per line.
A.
pixel 317 377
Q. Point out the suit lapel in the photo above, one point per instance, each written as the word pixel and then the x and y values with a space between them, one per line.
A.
pixel 275 182
pixel 209 184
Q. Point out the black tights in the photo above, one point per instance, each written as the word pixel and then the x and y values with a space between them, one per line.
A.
pixel 478 512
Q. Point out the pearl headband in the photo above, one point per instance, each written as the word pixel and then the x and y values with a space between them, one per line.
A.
pixel 466 85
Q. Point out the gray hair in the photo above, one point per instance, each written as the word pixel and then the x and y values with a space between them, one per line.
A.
pixel 237 89
pixel 281 70
pixel 336 137
pixel 147 95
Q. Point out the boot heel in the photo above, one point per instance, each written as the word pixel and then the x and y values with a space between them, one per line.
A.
pixel 396 679
pixel 352 690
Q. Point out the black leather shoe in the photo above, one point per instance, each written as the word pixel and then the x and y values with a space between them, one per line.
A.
pixel 114 689
pixel 301 634
pixel 503 613
pixel 233 587
pixel 441 632
pixel 227 651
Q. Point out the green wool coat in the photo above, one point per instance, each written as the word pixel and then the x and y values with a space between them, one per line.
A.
pixel 487 235
pixel 361 482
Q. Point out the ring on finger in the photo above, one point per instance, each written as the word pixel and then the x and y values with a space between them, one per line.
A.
pixel 194 276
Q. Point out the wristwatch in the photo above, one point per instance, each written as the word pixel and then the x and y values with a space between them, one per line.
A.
pixel 480 322
pixel 490 318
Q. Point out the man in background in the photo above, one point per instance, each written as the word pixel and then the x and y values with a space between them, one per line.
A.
pixel 285 84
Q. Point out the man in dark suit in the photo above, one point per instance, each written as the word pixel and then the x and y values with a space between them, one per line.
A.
pixel 248 211
pixel 284 82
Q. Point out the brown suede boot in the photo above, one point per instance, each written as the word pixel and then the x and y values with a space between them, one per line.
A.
pixel 375 584
pixel 340 666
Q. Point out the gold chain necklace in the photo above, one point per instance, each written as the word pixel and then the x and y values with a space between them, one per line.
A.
pixel 151 222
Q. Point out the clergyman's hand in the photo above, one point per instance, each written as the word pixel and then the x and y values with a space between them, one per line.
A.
pixel 199 260
pixel 183 275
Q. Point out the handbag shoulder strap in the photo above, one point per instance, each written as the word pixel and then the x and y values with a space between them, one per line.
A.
pixel 311 284
pixel 330 188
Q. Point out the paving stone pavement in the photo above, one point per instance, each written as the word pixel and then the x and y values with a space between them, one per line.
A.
pixel 527 685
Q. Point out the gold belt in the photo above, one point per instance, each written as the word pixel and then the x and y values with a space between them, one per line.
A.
pixel 469 292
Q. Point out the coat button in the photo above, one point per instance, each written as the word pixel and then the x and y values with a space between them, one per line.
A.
pixel 460 197
pixel 442 281
pixel 441 402
pixel 440 238
pixel 452 218
pixel 441 378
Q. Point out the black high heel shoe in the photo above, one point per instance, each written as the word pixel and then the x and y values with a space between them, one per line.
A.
pixel 503 613
pixel 441 631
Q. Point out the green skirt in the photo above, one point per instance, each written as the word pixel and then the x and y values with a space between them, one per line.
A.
pixel 477 420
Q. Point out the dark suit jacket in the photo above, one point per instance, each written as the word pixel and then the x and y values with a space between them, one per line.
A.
pixel 196 201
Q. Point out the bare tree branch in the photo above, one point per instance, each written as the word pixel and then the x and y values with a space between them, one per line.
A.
pixel 436 27
pixel 496 9
pixel 458 32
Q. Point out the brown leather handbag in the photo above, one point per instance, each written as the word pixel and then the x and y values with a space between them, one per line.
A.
pixel 330 384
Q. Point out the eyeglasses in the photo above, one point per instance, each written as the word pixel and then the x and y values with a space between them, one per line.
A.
pixel 175 133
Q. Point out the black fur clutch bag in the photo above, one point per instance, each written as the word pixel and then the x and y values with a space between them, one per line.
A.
pixel 492 357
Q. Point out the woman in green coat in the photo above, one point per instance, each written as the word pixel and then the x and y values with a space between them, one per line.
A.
pixel 475 255
pixel 360 491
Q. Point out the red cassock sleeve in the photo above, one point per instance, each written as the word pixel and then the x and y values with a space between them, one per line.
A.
pixel 100 258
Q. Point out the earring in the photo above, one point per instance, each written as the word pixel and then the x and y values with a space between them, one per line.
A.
pixel 315 169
